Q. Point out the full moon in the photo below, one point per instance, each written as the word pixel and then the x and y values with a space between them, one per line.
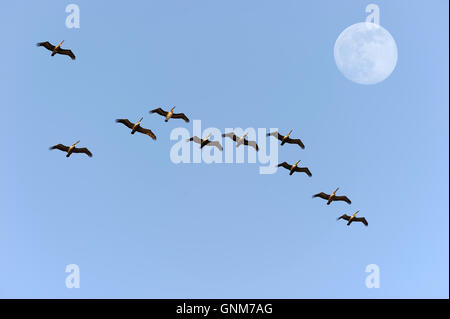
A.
pixel 365 53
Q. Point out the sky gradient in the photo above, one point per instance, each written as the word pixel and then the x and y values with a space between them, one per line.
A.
pixel 140 226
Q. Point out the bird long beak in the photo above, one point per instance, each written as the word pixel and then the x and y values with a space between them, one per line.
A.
pixel 297 162
pixel 356 212
pixel 76 143
pixel 290 132
pixel 336 189
pixel 141 120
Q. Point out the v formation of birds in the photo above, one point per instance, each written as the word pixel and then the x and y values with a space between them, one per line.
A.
pixel 170 114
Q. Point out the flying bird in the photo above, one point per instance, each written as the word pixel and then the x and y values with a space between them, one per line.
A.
pixel 241 140
pixel 205 142
pixel 71 149
pixel 136 127
pixel 287 139
pixel 353 218
pixel 295 168
pixel 333 197
pixel 57 49
pixel 170 114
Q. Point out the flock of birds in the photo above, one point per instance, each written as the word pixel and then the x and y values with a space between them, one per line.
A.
pixel 136 127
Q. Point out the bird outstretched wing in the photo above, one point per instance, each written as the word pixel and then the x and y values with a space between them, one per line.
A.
pixel 180 116
pixel 303 170
pixel 66 52
pixel 342 198
pixel 194 139
pixel 60 147
pixel 82 150
pixel 252 144
pixel 345 216
pixel 276 135
pixel 146 131
pixel 230 135
pixel 159 111
pixel 125 122
pixel 216 144
pixel 295 141
pixel 322 195
pixel 285 165
pixel 362 220
pixel 46 45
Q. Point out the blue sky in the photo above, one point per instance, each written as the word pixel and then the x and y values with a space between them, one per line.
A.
pixel 140 226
